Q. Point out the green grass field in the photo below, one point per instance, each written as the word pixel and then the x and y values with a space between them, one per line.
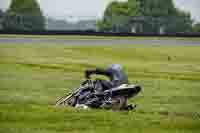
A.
pixel 85 37
pixel 33 76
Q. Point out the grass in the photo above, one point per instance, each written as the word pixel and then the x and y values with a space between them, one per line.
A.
pixel 85 37
pixel 33 76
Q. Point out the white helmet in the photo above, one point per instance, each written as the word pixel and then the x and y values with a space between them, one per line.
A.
pixel 117 67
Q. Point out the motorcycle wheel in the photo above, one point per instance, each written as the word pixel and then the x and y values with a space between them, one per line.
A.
pixel 72 101
pixel 119 103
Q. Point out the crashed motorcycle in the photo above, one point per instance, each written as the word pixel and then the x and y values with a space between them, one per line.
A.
pixel 90 95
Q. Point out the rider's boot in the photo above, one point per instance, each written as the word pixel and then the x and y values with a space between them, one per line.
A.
pixel 131 107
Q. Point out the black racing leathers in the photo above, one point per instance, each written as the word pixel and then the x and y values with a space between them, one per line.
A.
pixel 117 77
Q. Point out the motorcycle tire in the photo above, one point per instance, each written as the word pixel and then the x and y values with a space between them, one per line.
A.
pixel 119 103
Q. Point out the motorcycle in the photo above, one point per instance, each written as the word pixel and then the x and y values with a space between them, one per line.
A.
pixel 90 95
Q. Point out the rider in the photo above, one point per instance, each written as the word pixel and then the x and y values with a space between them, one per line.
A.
pixel 114 72
pixel 117 77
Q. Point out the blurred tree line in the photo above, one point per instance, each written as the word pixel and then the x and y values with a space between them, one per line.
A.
pixel 152 16
pixel 23 15
pixel 141 16
pixel 196 28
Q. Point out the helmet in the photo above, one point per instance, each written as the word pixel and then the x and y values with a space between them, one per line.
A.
pixel 117 67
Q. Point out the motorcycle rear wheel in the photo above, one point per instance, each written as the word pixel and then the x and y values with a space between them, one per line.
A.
pixel 119 103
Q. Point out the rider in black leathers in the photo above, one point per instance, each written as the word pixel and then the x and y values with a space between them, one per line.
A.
pixel 117 77
pixel 115 73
